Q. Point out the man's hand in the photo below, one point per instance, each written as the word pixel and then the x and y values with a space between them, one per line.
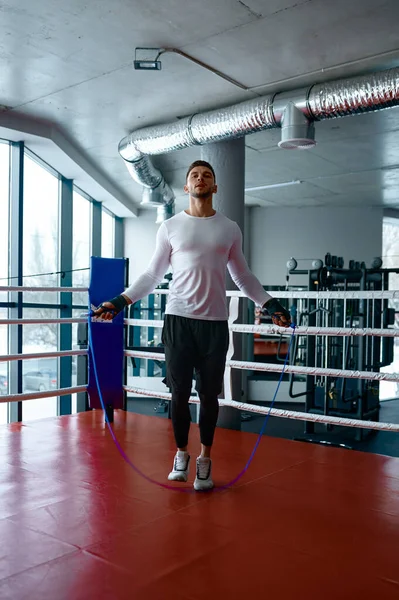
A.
pixel 106 315
pixel 280 316
pixel 108 310
pixel 280 320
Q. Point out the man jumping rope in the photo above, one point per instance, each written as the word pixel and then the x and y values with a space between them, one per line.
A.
pixel 199 244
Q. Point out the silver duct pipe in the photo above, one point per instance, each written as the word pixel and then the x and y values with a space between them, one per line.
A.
pixel 156 190
pixel 199 129
pixel 165 211
pixel 355 95
pixel 297 132
pixel 334 99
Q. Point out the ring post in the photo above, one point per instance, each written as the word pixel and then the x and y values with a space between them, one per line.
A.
pixel 107 278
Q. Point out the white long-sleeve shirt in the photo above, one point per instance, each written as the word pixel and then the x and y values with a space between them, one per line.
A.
pixel 199 249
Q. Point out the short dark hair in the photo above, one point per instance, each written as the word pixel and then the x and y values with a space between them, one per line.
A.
pixel 200 163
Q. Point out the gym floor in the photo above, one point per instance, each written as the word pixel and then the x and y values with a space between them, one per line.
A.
pixel 77 523
pixel 380 442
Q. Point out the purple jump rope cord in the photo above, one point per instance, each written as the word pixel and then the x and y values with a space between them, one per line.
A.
pixel 165 485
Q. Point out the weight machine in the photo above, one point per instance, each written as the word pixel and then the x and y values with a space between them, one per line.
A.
pixel 337 396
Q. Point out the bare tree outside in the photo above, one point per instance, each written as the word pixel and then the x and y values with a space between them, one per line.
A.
pixel 40 265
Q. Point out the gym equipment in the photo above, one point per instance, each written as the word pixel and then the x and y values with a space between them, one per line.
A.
pixel 339 396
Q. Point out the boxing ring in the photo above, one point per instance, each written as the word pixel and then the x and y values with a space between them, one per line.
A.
pixel 304 521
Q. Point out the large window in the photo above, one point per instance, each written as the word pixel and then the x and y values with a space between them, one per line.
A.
pixel 41 242
pixel 40 375
pixel 81 245
pixel 3 368
pixel 40 263
pixel 82 215
pixel 4 212
pixel 390 252
pixel 107 234
pixel 82 219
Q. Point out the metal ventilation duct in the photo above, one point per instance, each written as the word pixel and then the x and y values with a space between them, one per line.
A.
pixel 329 100
pixel 297 132
pixel 164 212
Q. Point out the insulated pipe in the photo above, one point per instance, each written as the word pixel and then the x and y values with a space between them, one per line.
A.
pixel 349 96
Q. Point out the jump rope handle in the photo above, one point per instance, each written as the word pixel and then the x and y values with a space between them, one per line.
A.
pixel 91 313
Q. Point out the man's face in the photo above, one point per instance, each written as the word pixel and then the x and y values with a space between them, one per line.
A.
pixel 200 183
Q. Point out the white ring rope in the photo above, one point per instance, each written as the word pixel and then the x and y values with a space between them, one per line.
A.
pixel 38 395
pixel 23 288
pixel 295 294
pixel 144 322
pixel 334 331
pixel 273 329
pixel 269 367
pixel 261 329
pixel 348 295
pixel 40 321
pixel 11 357
pixel 276 412
pixel 230 364
pixel 227 377
pixel 371 375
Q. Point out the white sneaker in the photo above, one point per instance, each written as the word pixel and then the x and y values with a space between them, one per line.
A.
pixel 181 467
pixel 203 481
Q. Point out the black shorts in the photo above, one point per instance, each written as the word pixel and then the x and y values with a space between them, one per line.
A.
pixel 195 345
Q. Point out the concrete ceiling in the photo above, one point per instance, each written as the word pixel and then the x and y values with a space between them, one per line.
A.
pixel 70 64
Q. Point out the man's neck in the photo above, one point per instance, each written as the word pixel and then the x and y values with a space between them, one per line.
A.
pixel 200 208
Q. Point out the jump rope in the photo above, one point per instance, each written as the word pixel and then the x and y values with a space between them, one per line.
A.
pixel 166 486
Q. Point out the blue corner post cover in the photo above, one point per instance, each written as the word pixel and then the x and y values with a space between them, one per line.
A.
pixel 107 279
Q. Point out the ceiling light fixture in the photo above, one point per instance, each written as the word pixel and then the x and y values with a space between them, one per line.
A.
pixel 273 185
pixel 154 64
pixel 142 62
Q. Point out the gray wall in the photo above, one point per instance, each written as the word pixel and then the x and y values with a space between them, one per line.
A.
pixel 279 233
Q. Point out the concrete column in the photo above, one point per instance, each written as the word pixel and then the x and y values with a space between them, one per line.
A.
pixel 228 160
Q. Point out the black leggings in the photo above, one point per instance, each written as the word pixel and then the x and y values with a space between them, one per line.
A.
pixel 200 346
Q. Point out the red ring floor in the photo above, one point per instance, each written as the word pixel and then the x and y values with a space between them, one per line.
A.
pixel 76 523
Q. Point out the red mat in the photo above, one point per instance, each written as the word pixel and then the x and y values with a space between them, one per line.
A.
pixel 76 523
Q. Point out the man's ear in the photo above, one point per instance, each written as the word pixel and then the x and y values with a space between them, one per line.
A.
pixel 185 189
pixel 215 189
